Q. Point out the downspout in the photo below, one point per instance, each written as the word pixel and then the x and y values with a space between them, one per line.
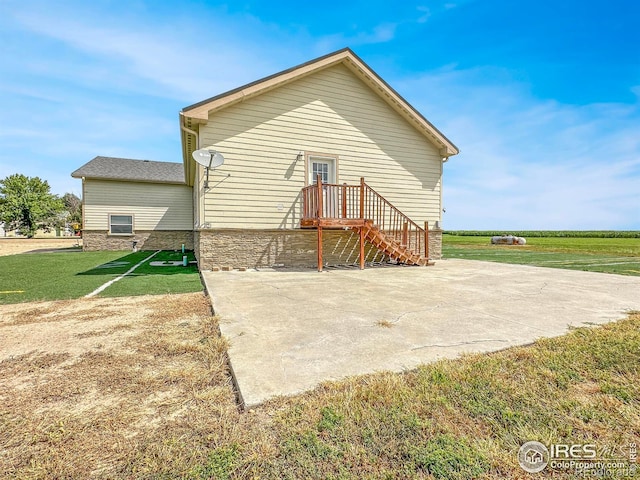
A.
pixel 444 160
pixel 84 210
pixel 200 198
pixel 186 129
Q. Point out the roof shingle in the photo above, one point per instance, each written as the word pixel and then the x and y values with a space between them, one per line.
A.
pixel 126 169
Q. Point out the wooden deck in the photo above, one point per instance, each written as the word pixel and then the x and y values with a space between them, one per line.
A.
pixel 361 208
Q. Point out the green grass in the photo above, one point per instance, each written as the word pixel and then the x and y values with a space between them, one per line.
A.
pixel 159 404
pixel 154 280
pixel 617 255
pixel 163 407
pixel 454 419
pixel 59 276
pixel 52 276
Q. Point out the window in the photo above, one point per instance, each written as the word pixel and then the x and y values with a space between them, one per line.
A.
pixel 322 169
pixel 121 224
pixel 322 165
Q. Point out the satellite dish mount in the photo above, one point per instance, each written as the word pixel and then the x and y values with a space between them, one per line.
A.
pixel 208 159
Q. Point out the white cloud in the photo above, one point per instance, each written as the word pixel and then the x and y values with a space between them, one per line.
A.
pixel 158 60
pixel 381 33
pixel 528 163
pixel 81 80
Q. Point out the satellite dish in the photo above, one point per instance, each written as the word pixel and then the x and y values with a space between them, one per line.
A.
pixel 208 158
pixel 216 160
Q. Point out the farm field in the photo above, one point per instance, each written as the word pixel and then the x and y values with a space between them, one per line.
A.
pixel 618 255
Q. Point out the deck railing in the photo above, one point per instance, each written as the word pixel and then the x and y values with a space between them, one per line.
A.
pixel 361 202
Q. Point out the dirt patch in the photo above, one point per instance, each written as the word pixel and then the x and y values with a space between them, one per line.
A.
pixel 92 387
pixel 70 326
pixel 12 246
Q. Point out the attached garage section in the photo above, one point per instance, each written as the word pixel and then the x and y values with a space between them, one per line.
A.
pixel 151 209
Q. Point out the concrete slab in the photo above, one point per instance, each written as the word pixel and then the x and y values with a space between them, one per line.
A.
pixel 290 330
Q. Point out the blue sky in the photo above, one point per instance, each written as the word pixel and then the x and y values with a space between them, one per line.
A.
pixel 542 98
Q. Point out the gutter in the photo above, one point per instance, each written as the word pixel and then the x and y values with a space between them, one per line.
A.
pixel 185 154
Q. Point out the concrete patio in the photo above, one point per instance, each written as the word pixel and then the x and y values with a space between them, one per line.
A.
pixel 291 330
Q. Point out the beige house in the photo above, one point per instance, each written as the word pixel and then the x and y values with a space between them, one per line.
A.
pixel 127 201
pixel 324 164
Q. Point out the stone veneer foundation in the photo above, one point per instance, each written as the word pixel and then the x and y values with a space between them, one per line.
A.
pixel 146 240
pixel 238 248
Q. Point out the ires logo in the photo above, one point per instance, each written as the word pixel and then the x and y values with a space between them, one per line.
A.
pixel 535 456
pixel 583 459
pixel 561 451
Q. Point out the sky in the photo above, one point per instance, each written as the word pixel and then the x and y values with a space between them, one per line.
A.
pixel 542 98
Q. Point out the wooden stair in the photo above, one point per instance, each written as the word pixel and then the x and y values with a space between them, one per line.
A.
pixel 363 210
pixel 391 247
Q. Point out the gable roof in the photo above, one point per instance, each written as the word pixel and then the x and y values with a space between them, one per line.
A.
pixel 127 169
pixel 199 112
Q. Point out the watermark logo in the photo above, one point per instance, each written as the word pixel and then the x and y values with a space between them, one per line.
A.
pixel 583 460
pixel 533 457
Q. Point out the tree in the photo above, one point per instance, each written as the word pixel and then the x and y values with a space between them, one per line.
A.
pixel 73 205
pixel 26 204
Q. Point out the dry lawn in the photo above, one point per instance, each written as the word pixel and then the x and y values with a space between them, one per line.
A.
pixel 12 246
pixel 138 387
pixel 111 387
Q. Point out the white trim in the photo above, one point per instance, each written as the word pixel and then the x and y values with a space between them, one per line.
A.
pixel 331 160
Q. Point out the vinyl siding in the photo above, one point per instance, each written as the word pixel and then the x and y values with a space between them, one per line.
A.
pixel 154 206
pixel 330 112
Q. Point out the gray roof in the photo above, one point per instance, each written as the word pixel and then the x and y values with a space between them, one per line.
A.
pixel 126 169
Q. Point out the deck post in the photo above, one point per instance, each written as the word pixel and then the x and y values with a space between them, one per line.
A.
pixel 361 216
pixel 361 198
pixel 362 248
pixel 320 262
pixel 320 210
pixel 426 240
pixel 344 200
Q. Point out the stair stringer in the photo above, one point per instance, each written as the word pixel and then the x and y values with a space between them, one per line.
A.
pixel 391 247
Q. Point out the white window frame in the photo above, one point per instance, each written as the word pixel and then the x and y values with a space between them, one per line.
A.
pixel 111 232
pixel 325 157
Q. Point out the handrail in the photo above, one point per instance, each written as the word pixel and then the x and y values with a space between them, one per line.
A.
pixel 393 207
pixel 392 222
pixel 364 203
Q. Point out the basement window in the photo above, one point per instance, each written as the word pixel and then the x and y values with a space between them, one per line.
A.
pixel 120 224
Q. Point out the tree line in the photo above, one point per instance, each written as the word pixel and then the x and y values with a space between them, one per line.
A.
pixel 27 205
